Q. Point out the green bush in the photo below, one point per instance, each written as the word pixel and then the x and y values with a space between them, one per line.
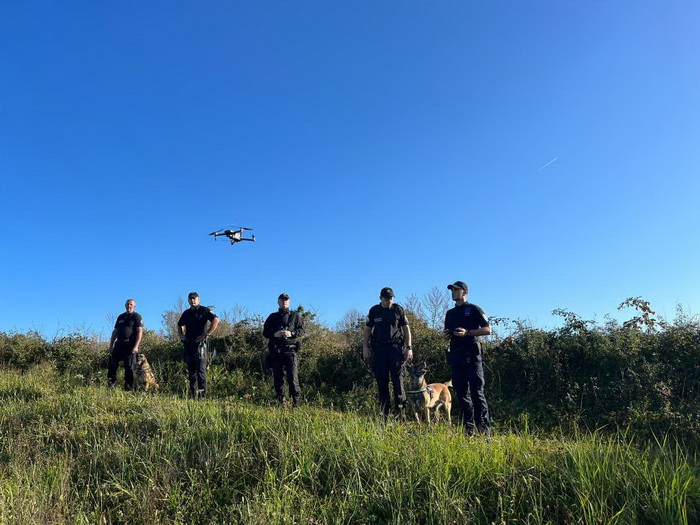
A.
pixel 595 376
pixel 78 354
pixel 21 351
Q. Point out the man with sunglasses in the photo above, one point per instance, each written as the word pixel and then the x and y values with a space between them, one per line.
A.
pixel 387 327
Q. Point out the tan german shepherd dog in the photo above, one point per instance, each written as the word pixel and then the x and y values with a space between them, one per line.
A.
pixel 145 380
pixel 424 397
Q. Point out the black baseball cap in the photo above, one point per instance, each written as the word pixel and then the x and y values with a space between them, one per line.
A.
pixel 387 293
pixel 192 294
pixel 458 284
pixel 283 296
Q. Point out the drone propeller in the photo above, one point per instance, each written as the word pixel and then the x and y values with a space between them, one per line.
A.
pixel 217 231
pixel 233 227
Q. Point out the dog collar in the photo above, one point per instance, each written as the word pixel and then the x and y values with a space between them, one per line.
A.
pixel 424 389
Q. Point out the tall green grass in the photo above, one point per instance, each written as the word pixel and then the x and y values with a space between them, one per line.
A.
pixel 85 454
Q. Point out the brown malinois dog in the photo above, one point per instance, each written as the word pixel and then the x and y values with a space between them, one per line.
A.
pixel 424 397
pixel 145 380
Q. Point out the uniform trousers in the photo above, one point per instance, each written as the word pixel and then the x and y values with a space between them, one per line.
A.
pixel 196 361
pixel 121 353
pixel 468 382
pixel 286 362
pixel 387 363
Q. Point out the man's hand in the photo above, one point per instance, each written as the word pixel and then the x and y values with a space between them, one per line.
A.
pixel 409 355
pixel 460 332
pixel 183 338
pixel 365 352
pixel 446 333
pixel 283 334
pixel 135 350
pixel 202 338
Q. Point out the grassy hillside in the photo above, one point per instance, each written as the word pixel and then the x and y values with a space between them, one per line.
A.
pixel 84 454
pixel 643 374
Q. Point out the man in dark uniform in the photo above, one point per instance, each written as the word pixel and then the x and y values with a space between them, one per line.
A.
pixel 124 343
pixel 284 330
pixel 463 325
pixel 193 331
pixel 388 329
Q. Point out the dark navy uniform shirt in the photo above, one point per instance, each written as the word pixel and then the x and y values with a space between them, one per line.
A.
pixel 468 316
pixel 387 324
pixel 284 319
pixel 195 321
pixel 127 325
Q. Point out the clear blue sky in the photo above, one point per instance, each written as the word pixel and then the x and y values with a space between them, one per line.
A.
pixel 545 152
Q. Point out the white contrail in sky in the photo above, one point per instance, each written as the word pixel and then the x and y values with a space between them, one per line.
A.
pixel 550 162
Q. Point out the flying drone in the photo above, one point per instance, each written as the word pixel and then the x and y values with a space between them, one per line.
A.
pixel 234 235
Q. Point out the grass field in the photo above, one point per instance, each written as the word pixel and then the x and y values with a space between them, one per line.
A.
pixel 85 454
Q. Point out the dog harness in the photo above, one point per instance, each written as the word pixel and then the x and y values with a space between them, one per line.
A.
pixel 421 390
